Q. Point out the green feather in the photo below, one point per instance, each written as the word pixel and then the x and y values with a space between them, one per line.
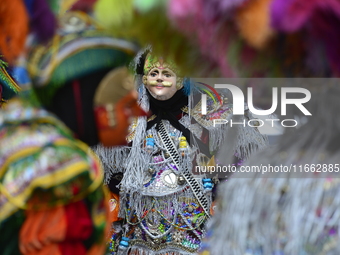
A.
pixel 9 87
pixel 143 6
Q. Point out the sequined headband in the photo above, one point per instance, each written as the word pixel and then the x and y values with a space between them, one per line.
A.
pixel 157 62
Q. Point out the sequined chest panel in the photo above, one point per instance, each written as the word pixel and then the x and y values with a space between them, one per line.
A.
pixel 162 176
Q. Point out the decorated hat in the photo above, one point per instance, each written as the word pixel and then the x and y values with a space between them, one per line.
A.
pixel 79 48
pixel 8 87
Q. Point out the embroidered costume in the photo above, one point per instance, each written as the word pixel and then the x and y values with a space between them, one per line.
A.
pixel 52 199
pixel 51 196
pixel 163 203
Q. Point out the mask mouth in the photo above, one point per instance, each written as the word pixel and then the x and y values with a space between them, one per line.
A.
pixel 164 83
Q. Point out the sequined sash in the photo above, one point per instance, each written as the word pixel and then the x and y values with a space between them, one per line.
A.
pixel 194 185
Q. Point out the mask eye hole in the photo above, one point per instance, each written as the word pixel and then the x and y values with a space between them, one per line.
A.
pixel 153 73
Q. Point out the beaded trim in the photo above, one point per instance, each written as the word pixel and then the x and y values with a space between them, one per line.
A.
pixel 159 247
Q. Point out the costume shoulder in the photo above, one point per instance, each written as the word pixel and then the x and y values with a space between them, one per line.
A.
pixel 41 163
pixel 113 159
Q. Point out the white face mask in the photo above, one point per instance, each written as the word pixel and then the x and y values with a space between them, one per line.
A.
pixel 161 83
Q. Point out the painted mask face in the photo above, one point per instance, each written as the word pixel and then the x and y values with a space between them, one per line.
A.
pixel 160 77
pixel 115 107
pixel 161 83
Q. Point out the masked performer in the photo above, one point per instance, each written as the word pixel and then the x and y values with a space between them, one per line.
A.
pixel 52 196
pixel 163 205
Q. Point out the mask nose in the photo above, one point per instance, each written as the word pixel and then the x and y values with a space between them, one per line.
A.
pixel 160 77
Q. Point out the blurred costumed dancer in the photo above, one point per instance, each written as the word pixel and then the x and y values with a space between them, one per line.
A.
pixel 290 213
pixel 163 203
pixel 52 199
pixel 293 212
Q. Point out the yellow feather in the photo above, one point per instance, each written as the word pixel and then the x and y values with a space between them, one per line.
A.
pixel 114 13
